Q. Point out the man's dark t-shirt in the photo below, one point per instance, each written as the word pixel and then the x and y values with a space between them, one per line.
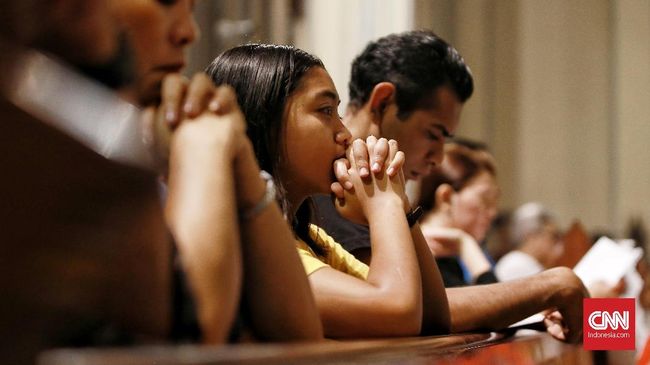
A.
pixel 354 236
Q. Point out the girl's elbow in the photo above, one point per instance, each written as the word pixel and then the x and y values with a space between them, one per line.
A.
pixel 407 319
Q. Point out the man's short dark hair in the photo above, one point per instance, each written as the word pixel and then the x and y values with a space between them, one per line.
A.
pixel 417 63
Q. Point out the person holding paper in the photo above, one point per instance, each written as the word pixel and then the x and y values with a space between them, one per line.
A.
pixel 534 229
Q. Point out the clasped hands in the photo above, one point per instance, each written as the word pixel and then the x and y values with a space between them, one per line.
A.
pixel 204 126
pixel 370 173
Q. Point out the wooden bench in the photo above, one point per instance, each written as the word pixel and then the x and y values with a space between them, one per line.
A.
pixel 456 349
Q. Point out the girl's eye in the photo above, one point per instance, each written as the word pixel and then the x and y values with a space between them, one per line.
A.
pixel 328 110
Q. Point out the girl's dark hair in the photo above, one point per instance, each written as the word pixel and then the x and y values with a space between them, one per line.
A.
pixel 464 160
pixel 264 76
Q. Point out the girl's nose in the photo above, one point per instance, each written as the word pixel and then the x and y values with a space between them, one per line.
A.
pixel 343 137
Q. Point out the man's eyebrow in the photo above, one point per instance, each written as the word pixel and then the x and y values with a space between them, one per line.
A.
pixel 445 132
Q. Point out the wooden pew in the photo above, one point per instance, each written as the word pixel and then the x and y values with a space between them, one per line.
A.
pixel 455 349
pixel 576 244
pixel 85 254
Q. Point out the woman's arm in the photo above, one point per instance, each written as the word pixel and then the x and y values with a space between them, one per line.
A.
pixel 201 160
pixel 436 316
pixel 207 194
pixel 389 302
pixel 276 290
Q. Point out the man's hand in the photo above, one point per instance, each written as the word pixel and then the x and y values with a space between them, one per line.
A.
pixel 566 323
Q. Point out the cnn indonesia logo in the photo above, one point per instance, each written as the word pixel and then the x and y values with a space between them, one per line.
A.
pixel 608 324
pixel 601 321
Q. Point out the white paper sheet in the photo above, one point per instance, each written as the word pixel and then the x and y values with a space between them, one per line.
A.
pixel 607 261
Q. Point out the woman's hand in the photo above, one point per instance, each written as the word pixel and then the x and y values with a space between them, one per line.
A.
pixel 447 241
pixel 366 162
pixel 372 191
pixel 219 119
pixel 443 241
pixel 183 100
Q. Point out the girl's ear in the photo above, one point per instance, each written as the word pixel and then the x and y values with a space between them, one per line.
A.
pixel 444 193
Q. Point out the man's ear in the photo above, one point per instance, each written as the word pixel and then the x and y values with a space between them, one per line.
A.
pixel 444 193
pixel 381 95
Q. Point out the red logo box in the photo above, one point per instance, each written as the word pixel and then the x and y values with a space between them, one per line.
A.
pixel 608 324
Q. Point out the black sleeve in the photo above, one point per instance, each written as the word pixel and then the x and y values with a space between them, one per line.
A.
pixel 487 277
pixel 452 273
pixel 350 235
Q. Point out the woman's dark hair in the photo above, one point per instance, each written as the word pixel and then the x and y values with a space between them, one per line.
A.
pixel 464 160
pixel 264 76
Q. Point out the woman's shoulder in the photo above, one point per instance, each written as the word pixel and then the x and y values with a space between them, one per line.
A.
pixel 336 255
pixel 320 236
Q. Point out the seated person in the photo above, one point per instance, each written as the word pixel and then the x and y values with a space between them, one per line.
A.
pixel 290 104
pixel 215 257
pixel 537 239
pixel 460 200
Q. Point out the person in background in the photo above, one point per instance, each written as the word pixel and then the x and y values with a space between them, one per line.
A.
pixel 498 241
pixel 539 246
pixel 538 242
pixel 460 201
